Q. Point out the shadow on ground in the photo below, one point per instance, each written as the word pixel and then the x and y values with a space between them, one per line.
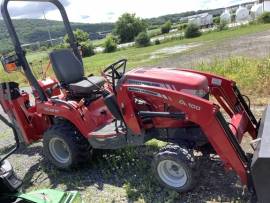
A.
pixel 131 169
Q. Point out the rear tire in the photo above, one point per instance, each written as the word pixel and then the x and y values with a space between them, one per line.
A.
pixel 65 147
pixel 174 167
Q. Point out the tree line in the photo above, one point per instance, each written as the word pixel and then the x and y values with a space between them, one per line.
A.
pixel 33 30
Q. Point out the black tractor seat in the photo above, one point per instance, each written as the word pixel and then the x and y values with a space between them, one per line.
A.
pixel 70 73
pixel 90 84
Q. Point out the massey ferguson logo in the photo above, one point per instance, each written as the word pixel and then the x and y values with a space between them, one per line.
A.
pixel 190 105
pixel 51 110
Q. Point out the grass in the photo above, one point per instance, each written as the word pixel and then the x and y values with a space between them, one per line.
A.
pixel 99 43
pixel 5 134
pixel 252 75
pixel 136 56
pixel 154 32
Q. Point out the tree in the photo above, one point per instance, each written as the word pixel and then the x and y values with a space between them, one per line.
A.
pixel 142 40
pixel 166 27
pixel 80 35
pixel 110 44
pixel 192 30
pixel 223 25
pixel 183 26
pixel 87 48
pixel 264 18
pixel 157 42
pixel 216 20
pixel 128 26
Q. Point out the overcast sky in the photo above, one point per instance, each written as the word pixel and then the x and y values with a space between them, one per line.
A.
pixel 96 11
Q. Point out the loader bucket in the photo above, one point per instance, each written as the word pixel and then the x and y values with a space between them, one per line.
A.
pixel 260 166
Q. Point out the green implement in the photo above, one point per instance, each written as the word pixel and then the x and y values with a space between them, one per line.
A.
pixel 51 196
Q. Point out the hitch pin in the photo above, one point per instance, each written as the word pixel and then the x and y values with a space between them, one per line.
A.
pixel 254 143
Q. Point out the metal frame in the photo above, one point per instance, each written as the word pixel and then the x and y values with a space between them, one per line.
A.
pixel 21 53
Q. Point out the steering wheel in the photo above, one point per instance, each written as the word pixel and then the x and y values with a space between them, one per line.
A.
pixel 112 71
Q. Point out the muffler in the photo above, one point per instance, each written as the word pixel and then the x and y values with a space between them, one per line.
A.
pixel 260 166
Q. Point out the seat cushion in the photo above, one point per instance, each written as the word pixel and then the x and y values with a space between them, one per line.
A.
pixel 87 86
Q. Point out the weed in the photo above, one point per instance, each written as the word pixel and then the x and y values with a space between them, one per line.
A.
pixel 252 75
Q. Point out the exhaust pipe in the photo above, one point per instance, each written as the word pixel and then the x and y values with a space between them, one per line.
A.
pixel 260 166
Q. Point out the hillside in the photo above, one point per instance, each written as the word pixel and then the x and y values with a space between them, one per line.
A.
pixel 32 30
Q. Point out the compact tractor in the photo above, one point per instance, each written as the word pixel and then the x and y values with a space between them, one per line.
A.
pixel 74 114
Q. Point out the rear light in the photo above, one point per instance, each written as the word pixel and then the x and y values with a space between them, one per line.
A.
pixel 199 93
pixel 10 63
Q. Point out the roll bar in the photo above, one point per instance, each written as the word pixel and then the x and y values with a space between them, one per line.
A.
pixel 20 52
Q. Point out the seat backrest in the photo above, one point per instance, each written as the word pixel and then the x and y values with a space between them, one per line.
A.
pixel 67 67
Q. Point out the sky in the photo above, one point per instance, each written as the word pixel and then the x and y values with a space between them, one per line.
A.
pixel 97 11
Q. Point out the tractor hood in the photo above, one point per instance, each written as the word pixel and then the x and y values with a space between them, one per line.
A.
pixel 174 79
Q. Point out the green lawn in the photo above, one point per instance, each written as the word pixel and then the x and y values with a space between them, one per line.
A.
pixel 137 56
pixel 154 32
pixel 142 56
pixel 99 42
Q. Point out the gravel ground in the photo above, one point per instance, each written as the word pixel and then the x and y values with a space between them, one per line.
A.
pixel 127 180
pixel 124 175
pixel 253 45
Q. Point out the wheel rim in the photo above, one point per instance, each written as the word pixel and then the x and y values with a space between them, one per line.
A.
pixel 59 150
pixel 172 173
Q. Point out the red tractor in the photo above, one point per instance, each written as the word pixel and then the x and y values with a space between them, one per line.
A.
pixel 75 114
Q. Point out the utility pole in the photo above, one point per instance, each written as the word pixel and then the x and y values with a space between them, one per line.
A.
pixel 48 28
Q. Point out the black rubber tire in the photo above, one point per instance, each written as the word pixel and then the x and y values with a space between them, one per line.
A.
pixel 181 156
pixel 78 146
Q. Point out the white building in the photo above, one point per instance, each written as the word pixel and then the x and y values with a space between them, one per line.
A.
pixel 202 20
pixel 256 10
pixel 195 20
pixel 265 5
pixel 242 14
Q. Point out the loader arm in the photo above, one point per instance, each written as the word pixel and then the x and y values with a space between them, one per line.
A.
pixel 232 101
pixel 204 113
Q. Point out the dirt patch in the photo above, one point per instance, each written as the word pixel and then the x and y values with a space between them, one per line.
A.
pixel 253 46
pixel 173 50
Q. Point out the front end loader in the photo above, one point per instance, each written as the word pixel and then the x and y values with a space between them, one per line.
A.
pixel 74 114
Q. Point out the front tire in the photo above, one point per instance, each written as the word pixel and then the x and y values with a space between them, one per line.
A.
pixel 174 168
pixel 65 147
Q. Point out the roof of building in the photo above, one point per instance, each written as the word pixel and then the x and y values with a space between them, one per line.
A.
pixel 202 15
